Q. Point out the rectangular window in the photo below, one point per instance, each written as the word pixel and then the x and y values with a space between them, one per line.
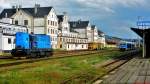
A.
pixel 51 23
pixel 61 46
pixel 48 30
pixel 51 31
pixel 48 22
pixel 82 46
pixel 9 40
pixel 25 22
pixel 55 23
pixel 16 22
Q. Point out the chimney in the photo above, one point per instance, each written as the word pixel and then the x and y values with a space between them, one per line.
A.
pixel 13 7
pixel 79 21
pixel 74 24
pixel 65 13
pixel 36 8
pixel 17 8
pixel 20 6
pixel 6 15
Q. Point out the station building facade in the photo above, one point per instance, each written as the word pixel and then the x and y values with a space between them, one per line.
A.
pixel 39 20
pixel 7 34
pixel 96 38
pixel 65 34
pixel 69 39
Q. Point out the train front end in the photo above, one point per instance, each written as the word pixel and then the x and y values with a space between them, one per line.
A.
pixel 21 44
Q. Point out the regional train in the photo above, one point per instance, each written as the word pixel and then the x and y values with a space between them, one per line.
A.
pixel 32 45
pixel 126 46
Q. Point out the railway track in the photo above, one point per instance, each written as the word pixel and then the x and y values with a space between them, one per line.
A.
pixel 58 53
pixel 17 62
pixel 110 66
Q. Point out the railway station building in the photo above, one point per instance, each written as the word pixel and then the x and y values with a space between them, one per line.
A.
pixel 68 38
pixel 65 34
pixel 39 20
pixel 95 37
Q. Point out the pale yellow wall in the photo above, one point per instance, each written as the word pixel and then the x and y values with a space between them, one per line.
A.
pixel 39 26
pixel 21 16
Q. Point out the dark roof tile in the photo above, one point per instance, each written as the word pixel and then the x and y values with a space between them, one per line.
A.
pixel 93 27
pixel 60 18
pixel 41 12
pixel 79 24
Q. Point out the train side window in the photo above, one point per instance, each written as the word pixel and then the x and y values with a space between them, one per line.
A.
pixel 9 40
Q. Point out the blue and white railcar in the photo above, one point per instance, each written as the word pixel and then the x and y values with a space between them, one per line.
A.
pixel 126 46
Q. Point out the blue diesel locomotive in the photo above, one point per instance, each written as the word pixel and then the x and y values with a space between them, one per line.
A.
pixel 32 45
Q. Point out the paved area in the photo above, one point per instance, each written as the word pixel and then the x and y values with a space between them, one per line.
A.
pixel 136 71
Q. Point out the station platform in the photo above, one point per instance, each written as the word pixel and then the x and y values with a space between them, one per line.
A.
pixel 136 71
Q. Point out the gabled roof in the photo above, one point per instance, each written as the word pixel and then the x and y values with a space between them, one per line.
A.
pixel 60 18
pixel 79 24
pixel 100 32
pixel 41 12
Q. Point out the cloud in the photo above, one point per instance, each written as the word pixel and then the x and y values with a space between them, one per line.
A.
pixel 4 4
pixel 106 14
pixel 108 5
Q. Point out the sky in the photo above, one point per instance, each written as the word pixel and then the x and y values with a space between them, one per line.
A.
pixel 113 17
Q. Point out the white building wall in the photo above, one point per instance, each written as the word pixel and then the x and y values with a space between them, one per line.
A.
pixel 52 30
pixel 95 31
pixel 77 46
pixel 6 20
pixel 7 31
pixel 82 32
pixel 7 46
pixel 72 40
pixel 65 24
pixel 102 40
pixel 20 16
pixel 39 26
pixel 89 34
